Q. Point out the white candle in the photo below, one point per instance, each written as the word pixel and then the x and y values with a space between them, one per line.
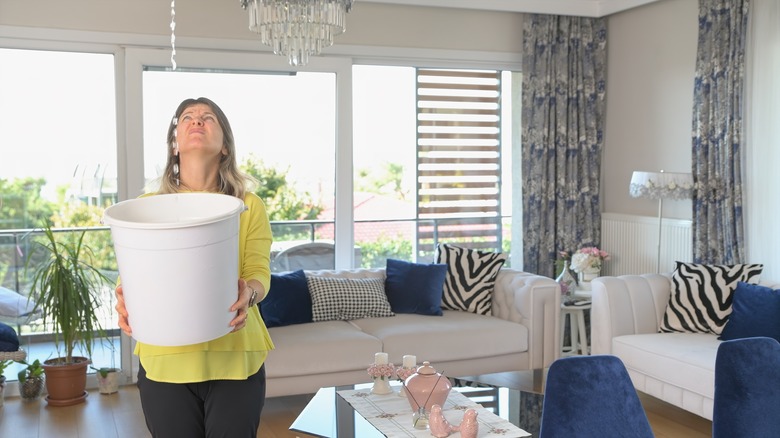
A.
pixel 380 358
pixel 410 361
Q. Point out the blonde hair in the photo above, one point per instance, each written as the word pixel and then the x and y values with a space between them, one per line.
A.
pixel 231 181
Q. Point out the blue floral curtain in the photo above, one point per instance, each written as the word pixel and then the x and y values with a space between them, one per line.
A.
pixel 718 105
pixel 564 85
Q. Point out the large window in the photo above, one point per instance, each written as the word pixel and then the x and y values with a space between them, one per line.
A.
pixel 58 163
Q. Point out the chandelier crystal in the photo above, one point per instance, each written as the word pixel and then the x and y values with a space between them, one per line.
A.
pixel 297 28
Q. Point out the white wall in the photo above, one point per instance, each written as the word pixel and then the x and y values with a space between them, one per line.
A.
pixel 761 177
pixel 651 66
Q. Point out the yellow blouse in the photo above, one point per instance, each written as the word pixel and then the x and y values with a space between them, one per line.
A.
pixel 234 356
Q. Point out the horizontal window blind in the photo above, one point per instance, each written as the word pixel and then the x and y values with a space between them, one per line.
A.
pixel 458 158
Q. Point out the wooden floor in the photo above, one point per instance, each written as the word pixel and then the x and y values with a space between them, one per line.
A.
pixel 119 415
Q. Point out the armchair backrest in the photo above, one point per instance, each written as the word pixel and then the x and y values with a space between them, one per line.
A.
pixel 747 388
pixel 591 396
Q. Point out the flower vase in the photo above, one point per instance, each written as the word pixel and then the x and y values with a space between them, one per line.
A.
pixel 587 276
pixel 381 386
pixel 567 282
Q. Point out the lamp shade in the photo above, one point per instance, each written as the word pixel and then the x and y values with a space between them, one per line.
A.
pixel 661 185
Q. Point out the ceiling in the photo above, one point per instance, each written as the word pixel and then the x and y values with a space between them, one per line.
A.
pixel 584 8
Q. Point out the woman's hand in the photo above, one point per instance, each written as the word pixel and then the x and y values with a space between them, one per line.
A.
pixel 241 306
pixel 121 311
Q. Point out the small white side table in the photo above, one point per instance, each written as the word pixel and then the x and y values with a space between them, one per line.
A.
pixel 577 332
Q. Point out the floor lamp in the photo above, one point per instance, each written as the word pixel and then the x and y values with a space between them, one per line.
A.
pixel 661 185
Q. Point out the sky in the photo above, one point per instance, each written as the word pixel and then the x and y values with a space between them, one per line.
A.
pixel 56 111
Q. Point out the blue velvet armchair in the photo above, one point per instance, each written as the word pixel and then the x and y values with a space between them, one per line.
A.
pixel 747 389
pixel 592 396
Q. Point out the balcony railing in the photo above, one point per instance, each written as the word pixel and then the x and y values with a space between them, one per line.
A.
pixel 375 241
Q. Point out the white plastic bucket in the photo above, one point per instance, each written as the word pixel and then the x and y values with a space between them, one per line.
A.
pixel 178 263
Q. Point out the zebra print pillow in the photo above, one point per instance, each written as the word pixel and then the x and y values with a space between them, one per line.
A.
pixel 471 276
pixel 701 296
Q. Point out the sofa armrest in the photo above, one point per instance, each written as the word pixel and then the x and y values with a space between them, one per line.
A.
pixel 535 302
pixel 626 305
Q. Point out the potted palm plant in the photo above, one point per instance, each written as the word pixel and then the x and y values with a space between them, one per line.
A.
pixel 31 380
pixel 65 289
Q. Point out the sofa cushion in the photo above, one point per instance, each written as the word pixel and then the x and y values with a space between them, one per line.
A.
pixel 700 300
pixel 347 298
pixel 453 336
pixel 288 300
pixel 9 341
pixel 755 311
pixel 414 287
pixel 682 360
pixel 319 348
pixel 471 276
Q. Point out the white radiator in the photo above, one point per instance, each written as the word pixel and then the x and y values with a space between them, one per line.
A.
pixel 632 242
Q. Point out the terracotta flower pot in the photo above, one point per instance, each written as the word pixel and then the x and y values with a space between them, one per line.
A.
pixel 66 383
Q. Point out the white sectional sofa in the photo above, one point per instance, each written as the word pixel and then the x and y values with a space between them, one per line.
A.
pixel 521 334
pixel 678 368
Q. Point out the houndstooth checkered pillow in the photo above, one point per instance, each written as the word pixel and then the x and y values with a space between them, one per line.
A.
pixel 347 298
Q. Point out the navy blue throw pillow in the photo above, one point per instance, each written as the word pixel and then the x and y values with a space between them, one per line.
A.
pixel 8 339
pixel 288 301
pixel 414 287
pixel 754 312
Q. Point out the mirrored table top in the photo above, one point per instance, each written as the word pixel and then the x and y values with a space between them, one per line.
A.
pixel 329 415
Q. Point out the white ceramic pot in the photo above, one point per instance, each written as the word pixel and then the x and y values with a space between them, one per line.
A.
pixel 108 384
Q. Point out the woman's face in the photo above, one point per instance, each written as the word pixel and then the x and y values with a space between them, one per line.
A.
pixel 198 132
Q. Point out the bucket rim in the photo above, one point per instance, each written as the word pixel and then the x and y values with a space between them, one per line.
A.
pixel 109 220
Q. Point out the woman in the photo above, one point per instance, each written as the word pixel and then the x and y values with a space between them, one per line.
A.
pixel 215 388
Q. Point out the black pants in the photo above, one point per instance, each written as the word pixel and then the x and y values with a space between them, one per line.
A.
pixel 216 408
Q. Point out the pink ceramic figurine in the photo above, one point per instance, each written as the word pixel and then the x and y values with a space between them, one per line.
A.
pixel 469 427
pixel 440 427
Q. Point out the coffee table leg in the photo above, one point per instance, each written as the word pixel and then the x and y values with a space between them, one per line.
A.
pixel 530 412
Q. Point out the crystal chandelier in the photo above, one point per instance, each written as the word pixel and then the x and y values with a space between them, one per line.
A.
pixel 297 28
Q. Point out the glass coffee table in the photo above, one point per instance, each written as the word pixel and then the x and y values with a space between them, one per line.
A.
pixel 515 396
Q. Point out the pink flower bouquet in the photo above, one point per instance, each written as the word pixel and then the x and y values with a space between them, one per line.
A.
pixel 588 259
